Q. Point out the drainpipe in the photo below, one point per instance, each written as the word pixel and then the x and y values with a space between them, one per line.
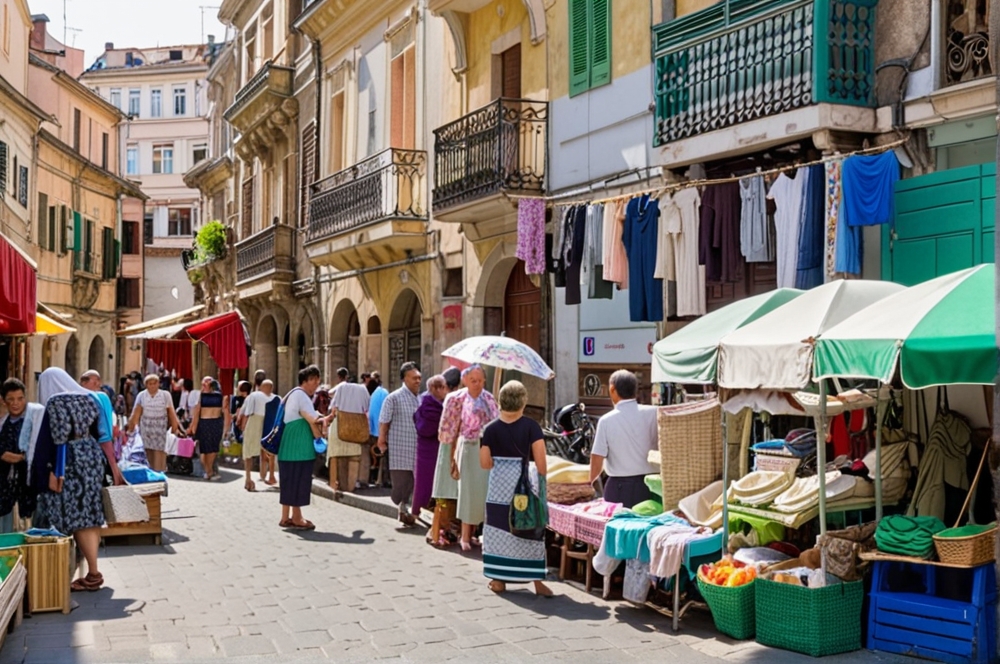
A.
pixel 937 61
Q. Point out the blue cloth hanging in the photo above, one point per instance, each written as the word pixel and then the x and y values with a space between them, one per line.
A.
pixel 850 246
pixel 812 230
pixel 868 185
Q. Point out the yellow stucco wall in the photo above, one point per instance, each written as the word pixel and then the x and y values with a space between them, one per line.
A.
pixel 685 7
pixel 630 34
pixel 486 26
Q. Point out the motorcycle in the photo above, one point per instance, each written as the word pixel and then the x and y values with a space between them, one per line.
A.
pixel 572 434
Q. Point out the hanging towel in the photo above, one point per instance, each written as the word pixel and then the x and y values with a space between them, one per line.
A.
pixel 574 253
pixel 834 170
pixel 719 234
pixel 812 224
pixel 787 194
pixel 615 260
pixel 531 234
pixel 667 545
pixel 592 274
pixel 756 236
pixel 869 183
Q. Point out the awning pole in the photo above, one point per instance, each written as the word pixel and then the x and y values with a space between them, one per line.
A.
pixel 821 456
pixel 725 485
pixel 879 414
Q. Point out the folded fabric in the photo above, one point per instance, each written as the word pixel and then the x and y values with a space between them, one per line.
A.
pixel 666 547
pixel 648 508
pixel 908 535
pixel 700 509
pixel 760 487
pixel 804 493
pixel 625 534
pixel 141 475
pixel 767 530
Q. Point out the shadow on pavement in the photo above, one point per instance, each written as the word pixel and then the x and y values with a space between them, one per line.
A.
pixel 332 538
pixel 561 606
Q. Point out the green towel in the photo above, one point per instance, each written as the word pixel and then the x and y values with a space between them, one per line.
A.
pixel 648 508
pixel 908 535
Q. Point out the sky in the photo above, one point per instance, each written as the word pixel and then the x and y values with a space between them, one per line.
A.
pixel 136 23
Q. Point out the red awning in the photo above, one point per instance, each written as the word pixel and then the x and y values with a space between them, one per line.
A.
pixel 172 355
pixel 225 337
pixel 17 290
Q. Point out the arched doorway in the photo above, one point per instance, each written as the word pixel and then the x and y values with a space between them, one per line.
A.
pixel 345 333
pixel 73 357
pixel 301 350
pixel 522 308
pixel 266 348
pixel 373 345
pixel 404 335
pixel 96 357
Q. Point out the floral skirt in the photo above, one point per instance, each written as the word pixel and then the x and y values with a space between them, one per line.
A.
pixel 79 505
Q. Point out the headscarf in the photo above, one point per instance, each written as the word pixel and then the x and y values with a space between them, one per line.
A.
pixel 55 381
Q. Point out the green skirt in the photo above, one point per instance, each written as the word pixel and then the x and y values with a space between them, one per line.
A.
pixel 445 486
pixel 297 442
pixel 472 483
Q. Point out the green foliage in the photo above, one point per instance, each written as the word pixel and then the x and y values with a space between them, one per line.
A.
pixel 211 240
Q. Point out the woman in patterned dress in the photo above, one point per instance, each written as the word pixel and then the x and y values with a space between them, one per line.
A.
pixel 154 413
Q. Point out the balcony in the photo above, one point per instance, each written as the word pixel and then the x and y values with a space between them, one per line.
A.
pixel 265 262
pixel 370 214
pixel 266 97
pixel 498 149
pixel 743 60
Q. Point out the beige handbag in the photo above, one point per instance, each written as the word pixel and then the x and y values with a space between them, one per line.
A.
pixel 352 427
pixel 123 505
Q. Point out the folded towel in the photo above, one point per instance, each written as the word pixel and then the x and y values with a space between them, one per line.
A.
pixel 908 535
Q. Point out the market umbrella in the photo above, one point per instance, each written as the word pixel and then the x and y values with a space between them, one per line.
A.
pixel 940 332
pixel 689 355
pixel 503 353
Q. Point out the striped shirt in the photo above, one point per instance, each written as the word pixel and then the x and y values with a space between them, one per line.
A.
pixel 397 411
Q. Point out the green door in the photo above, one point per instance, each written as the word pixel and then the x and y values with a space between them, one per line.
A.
pixel 944 222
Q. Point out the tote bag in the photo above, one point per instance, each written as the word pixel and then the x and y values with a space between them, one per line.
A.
pixel 528 515
pixel 352 427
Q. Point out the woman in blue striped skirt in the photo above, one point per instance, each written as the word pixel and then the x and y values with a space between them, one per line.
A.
pixel 506 443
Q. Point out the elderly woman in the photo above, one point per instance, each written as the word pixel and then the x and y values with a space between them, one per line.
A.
pixel 211 420
pixel 507 443
pixel 465 414
pixel 154 413
pixel 15 436
pixel 296 454
pixel 70 457
pixel 427 419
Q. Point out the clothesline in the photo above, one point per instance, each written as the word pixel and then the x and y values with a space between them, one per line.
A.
pixel 660 190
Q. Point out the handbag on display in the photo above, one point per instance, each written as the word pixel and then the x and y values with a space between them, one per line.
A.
pixel 353 427
pixel 123 505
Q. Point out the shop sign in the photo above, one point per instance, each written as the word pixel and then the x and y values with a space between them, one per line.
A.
pixel 625 346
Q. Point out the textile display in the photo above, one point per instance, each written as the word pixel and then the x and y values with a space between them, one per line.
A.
pixel 756 233
pixel 592 273
pixel 869 184
pixel 834 197
pixel 944 462
pixel 690 440
pixel 812 224
pixel 18 288
pixel 645 295
pixel 719 233
pixel 625 534
pixel 682 219
pixel 531 234
pixel 667 545
pixel 574 242
pixel 787 193
pixel 172 355
pixel 615 258
pixel 908 535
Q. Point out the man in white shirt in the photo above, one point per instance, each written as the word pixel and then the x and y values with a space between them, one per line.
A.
pixel 348 397
pixel 251 423
pixel 623 441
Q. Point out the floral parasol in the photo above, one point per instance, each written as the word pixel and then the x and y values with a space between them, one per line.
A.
pixel 500 352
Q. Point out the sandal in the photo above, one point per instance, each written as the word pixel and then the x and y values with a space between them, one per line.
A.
pixel 286 523
pixel 308 525
pixel 497 586
pixel 78 586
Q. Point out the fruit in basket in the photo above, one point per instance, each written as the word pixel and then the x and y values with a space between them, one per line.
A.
pixel 728 573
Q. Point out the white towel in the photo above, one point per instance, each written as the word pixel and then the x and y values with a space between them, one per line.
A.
pixel 666 547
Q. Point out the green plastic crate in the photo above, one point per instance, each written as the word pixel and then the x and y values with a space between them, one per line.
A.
pixel 733 609
pixel 11 540
pixel 812 621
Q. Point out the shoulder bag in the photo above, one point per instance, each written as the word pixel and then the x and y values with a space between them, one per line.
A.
pixel 528 515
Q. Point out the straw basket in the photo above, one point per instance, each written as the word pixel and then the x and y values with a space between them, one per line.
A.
pixel 567 494
pixel 970 551
pixel 691 449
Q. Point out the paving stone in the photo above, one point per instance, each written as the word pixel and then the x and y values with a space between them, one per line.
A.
pixel 239 646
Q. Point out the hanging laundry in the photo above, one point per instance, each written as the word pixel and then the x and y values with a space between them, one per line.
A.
pixel 645 297
pixel 833 198
pixel 563 247
pixel 555 248
pixel 615 258
pixel 756 236
pixel 681 219
pixel 666 260
pixel 787 194
pixel 869 184
pixel 531 234
pixel 593 256
pixel 719 234
pixel 850 246
pixel 574 255
pixel 812 225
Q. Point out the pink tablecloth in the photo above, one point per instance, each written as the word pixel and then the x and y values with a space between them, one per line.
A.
pixel 569 522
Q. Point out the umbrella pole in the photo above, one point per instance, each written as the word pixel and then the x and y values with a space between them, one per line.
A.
pixel 497 376
pixel 821 456
pixel 725 486
pixel 879 414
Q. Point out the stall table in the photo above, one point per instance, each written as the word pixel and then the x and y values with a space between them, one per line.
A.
pixel 799 519
pixel 576 526
pixel 151 493
pixel 12 600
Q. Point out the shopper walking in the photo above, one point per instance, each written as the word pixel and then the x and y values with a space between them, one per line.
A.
pixel 252 422
pixel 297 454
pixel 373 461
pixel 398 436
pixel 426 421
pixel 154 414
pixel 351 399
pixel 211 419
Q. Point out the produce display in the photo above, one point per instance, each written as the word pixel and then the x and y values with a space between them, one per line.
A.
pixel 728 573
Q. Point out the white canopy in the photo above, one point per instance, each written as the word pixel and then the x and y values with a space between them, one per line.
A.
pixel 775 352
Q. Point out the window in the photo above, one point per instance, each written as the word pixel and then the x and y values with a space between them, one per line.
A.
pixel 109 251
pixel 51 243
pixel 155 103
pixel 267 32
pixel 3 169
pixel 180 101
pixel 147 228
pixel 104 150
pixel 336 142
pixel 132 160
pixel 133 102
pixel 404 100
pixel 179 221
pixel 130 238
pixel 76 129
pixel 163 159
pixel 128 293
pixel 22 186
pixel 116 98
pixel 589 44
pixel 200 153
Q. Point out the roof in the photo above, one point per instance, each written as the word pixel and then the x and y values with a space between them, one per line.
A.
pixel 26 103
pixel 73 83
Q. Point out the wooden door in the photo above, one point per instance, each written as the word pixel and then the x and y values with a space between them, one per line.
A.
pixel 523 308
pixel 510 72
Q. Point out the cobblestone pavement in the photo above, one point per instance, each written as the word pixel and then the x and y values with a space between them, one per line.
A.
pixel 229 585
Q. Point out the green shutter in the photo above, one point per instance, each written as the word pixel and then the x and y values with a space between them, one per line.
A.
pixel 51 221
pixel 600 42
pixel 579 46
pixel 65 231
pixel 108 253
pixel 43 220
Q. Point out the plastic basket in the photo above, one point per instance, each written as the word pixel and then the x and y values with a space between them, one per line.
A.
pixel 733 609
pixel 9 540
pixel 971 551
pixel 812 621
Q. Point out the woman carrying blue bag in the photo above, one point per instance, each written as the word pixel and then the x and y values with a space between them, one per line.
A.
pixel 297 450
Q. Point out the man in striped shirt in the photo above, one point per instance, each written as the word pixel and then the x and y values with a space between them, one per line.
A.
pixel 398 435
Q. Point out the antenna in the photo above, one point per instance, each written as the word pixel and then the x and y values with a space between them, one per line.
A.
pixel 202 8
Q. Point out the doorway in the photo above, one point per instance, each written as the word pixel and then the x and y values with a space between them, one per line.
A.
pixel 522 311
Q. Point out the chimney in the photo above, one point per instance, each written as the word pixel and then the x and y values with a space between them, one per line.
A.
pixel 39 23
pixel 211 39
pixel 109 46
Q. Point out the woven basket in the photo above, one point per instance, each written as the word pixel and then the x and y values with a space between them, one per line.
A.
pixel 970 551
pixel 691 449
pixel 777 462
pixel 733 609
pixel 568 494
pixel 812 621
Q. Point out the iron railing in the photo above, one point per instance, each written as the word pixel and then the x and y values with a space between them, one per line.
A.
pixel 968 41
pixel 266 253
pixel 278 78
pixel 742 60
pixel 388 185
pixel 502 146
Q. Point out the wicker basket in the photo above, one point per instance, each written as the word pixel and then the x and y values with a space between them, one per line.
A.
pixel 733 609
pixel 785 464
pixel 568 494
pixel 970 551
pixel 812 621
pixel 691 449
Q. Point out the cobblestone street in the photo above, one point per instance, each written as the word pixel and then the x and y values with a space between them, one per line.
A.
pixel 229 585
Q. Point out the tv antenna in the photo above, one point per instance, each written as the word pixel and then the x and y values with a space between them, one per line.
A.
pixel 67 29
pixel 202 8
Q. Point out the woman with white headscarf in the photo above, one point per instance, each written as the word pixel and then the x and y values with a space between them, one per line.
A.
pixel 71 453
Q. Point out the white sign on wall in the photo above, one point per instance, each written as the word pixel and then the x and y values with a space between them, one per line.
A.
pixel 623 346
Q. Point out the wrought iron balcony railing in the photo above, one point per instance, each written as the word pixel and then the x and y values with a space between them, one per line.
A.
pixel 742 60
pixel 271 77
pixel 502 146
pixel 968 40
pixel 267 253
pixel 388 185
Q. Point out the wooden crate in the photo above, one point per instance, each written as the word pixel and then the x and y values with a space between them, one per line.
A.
pixel 12 600
pixel 152 527
pixel 50 568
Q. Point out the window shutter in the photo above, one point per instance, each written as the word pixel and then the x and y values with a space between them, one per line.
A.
pixel 43 220
pixel 77 241
pixel 53 230
pixel 600 42
pixel 89 253
pixel 579 46
pixel 66 230
pixel 108 251
pixel 3 169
